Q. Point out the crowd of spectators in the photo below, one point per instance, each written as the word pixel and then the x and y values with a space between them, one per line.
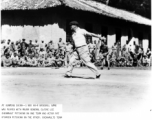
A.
pixel 41 54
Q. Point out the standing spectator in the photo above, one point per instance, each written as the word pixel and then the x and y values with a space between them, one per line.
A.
pixel 118 49
pixel 135 47
pixel 61 44
pixel 12 48
pixel 42 45
pixel 18 48
pixel 37 46
pixel 30 49
pixel 140 56
pixel 98 45
pixel 69 50
pixel 114 49
pixel 2 51
pixel 42 53
pixel 95 44
pixel 3 41
pixel 8 43
pixel 124 49
pixel 3 46
pixel 51 46
pixel 91 47
pixel 41 58
pixel 105 53
pixel 7 51
pixel 7 48
pixel 24 46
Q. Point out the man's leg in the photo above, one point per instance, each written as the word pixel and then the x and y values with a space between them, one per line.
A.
pixel 84 56
pixel 92 67
pixel 71 65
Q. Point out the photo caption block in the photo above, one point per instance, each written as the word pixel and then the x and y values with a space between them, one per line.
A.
pixel 31 111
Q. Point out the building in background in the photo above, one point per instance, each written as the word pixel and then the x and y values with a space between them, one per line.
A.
pixel 49 20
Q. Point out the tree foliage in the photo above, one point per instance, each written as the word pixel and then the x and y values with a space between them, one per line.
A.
pixel 141 7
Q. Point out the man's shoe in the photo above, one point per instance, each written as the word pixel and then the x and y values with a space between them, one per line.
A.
pixel 108 68
pixel 101 68
pixel 67 76
pixel 98 76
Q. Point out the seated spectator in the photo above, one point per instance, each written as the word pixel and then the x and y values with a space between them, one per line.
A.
pixel 121 62
pixel 21 61
pixel 145 61
pixel 25 61
pixel 7 62
pixel 32 62
pixel 52 61
pixel 59 61
pixel 41 61
pixel 15 60
pixel 129 61
pixel 47 62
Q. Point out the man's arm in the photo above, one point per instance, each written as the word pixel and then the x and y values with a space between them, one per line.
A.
pixel 94 35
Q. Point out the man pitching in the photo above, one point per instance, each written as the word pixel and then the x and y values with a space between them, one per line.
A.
pixel 79 39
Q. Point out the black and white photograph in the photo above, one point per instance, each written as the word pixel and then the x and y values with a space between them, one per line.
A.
pixel 87 56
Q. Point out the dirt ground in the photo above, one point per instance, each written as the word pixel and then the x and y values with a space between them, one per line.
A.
pixel 118 90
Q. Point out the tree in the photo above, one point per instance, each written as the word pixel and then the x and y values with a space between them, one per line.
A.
pixel 141 7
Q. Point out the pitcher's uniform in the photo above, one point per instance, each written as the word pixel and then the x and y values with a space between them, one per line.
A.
pixel 83 52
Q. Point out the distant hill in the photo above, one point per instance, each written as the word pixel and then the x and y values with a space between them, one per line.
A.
pixel 141 7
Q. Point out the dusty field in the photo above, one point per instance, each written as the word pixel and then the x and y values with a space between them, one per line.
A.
pixel 118 90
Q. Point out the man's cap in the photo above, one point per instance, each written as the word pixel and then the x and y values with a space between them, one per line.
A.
pixel 74 23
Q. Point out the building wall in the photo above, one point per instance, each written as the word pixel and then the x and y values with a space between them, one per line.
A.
pixel 54 29
pixel 145 42
pixel 124 37
pixel 111 39
pixel 51 25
